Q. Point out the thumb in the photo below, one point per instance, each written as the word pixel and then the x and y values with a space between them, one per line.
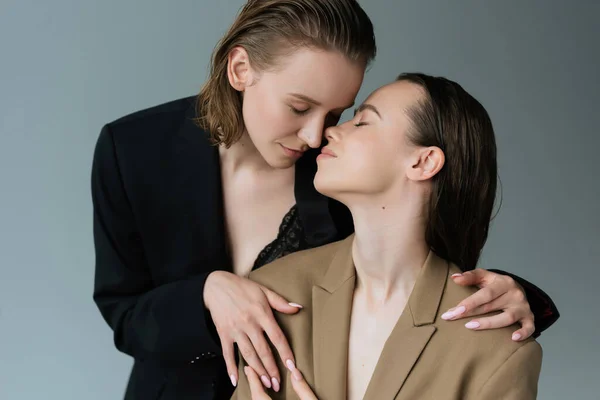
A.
pixel 279 303
pixel 470 278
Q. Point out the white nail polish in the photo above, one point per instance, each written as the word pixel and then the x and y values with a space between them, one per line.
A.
pixel 472 325
pixel 447 315
pixel 295 305
pixel 275 384
pixel 290 365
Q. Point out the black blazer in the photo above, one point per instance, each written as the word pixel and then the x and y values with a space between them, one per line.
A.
pixel 159 232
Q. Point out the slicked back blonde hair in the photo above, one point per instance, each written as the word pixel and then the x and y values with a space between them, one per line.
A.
pixel 268 28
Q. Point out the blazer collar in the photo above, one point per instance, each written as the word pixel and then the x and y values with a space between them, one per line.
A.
pixel 198 174
pixel 332 306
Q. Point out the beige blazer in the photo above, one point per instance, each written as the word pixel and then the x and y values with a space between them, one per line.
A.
pixel 424 357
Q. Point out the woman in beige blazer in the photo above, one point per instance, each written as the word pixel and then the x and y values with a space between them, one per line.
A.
pixel 417 168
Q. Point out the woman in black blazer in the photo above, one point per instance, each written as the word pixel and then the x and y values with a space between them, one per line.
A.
pixel 177 225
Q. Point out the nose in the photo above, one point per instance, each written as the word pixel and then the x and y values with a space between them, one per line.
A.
pixel 312 135
pixel 332 134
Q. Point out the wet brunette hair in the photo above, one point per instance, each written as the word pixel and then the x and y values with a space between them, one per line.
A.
pixel 267 30
pixel 464 190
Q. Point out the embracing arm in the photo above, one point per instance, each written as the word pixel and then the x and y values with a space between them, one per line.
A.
pixel 542 306
pixel 166 323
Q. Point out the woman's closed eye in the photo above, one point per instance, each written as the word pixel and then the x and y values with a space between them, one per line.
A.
pixel 299 111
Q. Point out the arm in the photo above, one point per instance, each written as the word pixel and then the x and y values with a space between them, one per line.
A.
pixel 542 306
pixel 517 378
pixel 166 323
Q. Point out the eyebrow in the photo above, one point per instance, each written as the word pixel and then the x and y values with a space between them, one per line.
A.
pixel 367 106
pixel 306 98
pixel 313 101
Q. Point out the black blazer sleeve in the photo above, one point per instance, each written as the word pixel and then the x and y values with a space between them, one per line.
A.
pixel 542 306
pixel 168 323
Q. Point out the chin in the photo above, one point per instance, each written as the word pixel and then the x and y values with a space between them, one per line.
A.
pixel 324 184
pixel 278 162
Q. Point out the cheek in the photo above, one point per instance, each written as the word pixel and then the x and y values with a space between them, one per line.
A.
pixel 364 167
pixel 265 116
pixel 365 156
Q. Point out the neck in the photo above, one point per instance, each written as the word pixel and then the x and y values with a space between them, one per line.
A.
pixel 243 155
pixel 389 246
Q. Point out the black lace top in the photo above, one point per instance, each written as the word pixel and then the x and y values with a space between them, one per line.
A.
pixel 290 239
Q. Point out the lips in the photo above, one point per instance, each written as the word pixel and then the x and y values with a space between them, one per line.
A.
pixel 292 152
pixel 328 152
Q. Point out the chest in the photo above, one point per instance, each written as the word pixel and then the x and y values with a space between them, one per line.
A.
pixel 254 208
pixel 369 331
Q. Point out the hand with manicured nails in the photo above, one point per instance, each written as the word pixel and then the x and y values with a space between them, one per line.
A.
pixel 497 292
pixel 300 386
pixel 241 312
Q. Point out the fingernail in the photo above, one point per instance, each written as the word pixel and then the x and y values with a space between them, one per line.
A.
pixel 453 312
pixel 233 380
pixel 456 275
pixel 472 325
pixel 297 375
pixel 266 381
pixel 447 315
pixel 245 371
pixel 290 364
pixel 295 305
pixel 460 310
pixel 275 384
pixel 516 336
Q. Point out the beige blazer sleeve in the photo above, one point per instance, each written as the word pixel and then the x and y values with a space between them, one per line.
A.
pixel 517 377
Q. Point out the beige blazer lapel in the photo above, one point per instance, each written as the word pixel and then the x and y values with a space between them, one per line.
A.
pixel 412 332
pixel 332 306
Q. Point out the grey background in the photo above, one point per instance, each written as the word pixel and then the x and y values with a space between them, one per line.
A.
pixel 67 67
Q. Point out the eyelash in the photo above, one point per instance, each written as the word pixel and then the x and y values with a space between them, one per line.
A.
pixel 360 124
pixel 299 112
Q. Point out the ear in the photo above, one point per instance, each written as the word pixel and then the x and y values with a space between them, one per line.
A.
pixel 239 71
pixel 426 162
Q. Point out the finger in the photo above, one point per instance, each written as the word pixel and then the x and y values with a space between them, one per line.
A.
pixel 505 318
pixel 249 354
pixel 301 387
pixel 256 388
pixel 279 303
pixel 470 278
pixel 263 350
pixel 499 303
pixel 229 356
pixel 277 337
pixel 527 329
pixel 477 299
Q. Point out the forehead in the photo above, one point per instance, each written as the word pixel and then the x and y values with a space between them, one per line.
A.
pixel 395 98
pixel 326 76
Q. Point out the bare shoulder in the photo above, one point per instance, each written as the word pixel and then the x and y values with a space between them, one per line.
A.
pixel 297 270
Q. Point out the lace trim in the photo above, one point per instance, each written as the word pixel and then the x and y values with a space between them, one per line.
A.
pixel 290 239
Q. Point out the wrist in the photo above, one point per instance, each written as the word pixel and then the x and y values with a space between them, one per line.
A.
pixel 210 285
